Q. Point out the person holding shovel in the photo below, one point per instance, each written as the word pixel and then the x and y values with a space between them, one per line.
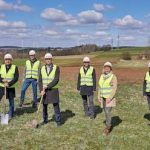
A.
pixel 9 75
pixel 87 85
pixel 31 73
pixel 106 94
pixel 48 85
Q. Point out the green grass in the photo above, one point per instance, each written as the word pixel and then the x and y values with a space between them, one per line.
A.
pixel 77 132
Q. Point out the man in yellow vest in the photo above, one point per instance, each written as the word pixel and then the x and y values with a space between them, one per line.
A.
pixel 146 86
pixel 31 74
pixel 87 85
pixel 9 75
pixel 106 94
pixel 48 85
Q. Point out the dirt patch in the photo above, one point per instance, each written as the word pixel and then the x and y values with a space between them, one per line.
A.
pixel 124 75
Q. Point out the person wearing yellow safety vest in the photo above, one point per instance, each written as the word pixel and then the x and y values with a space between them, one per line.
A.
pixel 146 86
pixel 106 94
pixel 31 74
pixel 9 75
pixel 87 85
pixel 48 85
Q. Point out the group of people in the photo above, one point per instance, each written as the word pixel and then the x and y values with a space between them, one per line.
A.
pixel 47 77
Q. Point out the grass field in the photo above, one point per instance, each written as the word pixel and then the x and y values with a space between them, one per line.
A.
pixel 130 117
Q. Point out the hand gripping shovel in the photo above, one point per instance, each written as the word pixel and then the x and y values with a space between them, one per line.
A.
pixel 4 116
pixel 35 121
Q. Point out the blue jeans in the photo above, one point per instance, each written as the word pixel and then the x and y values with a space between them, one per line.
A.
pixel 11 107
pixel 26 84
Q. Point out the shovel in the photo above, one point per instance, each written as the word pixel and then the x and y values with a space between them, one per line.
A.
pixel 4 116
pixel 35 121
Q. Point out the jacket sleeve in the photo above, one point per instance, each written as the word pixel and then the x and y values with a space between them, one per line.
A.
pixel 144 87
pixel 94 80
pixel 0 77
pixel 55 80
pixel 99 92
pixel 15 79
pixel 114 87
pixel 78 82
pixel 40 83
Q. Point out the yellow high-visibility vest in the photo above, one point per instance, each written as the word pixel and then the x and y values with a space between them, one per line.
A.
pixel 46 79
pixel 147 78
pixel 105 86
pixel 7 75
pixel 86 79
pixel 32 71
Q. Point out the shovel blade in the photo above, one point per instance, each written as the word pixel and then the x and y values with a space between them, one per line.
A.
pixel 4 119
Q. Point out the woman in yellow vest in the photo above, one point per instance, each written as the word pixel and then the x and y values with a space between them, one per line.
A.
pixel 31 73
pixel 87 85
pixel 106 93
pixel 48 85
pixel 146 86
pixel 9 75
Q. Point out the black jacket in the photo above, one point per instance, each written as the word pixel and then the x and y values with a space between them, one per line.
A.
pixel 52 95
pixel 10 91
pixel 87 90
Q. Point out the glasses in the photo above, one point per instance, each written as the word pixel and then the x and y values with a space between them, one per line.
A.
pixel 48 59
pixel 86 62
pixel 8 59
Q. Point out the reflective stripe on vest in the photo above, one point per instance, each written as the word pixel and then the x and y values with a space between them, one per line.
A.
pixel 147 78
pixel 105 87
pixel 7 75
pixel 86 79
pixel 46 79
pixel 32 71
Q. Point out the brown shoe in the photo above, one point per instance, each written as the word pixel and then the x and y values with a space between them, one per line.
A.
pixel 107 131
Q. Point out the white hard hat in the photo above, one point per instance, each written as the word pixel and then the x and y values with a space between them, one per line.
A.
pixel 86 59
pixel 109 64
pixel 48 55
pixel 32 52
pixel 8 56
pixel 149 65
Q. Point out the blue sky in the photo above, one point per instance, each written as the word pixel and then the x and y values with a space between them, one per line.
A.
pixel 74 22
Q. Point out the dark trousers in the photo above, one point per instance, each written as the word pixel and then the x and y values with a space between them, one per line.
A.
pixel 148 101
pixel 56 111
pixel 11 107
pixel 88 105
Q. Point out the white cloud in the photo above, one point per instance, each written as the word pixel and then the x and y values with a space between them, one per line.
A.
pixel 101 7
pixel 128 22
pixel 23 8
pixel 90 17
pixel 71 32
pixel 5 6
pixel 10 6
pixel 15 24
pixel 51 32
pixel 101 33
pixel 56 15
pixel 127 38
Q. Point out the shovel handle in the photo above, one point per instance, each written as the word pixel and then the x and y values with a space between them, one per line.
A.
pixel 4 101
pixel 40 104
